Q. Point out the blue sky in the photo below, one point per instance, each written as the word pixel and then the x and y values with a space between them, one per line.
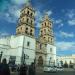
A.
pixel 62 13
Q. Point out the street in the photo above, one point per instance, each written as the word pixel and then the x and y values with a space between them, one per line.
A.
pixel 58 73
pixel 54 73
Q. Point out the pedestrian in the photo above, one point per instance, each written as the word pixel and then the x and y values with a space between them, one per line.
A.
pixel 32 69
pixel 23 69
pixel 4 68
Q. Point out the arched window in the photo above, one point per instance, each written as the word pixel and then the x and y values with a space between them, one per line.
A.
pixel 31 14
pixel 18 29
pixel 28 12
pixel 44 37
pixel 26 30
pixel 21 28
pixel 51 40
pixel 40 46
pixel 41 32
pixel 27 20
pixel 31 21
pixel 45 23
pixel 31 32
pixel 45 31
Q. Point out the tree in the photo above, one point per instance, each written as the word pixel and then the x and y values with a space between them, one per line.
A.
pixel 65 65
pixel 70 64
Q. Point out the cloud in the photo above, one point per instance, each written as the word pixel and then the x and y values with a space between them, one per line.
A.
pixel 66 35
pixel 65 46
pixel 71 17
pixel 63 34
pixel 49 12
pixel 58 21
pixel 38 18
pixel 71 13
pixel 2 34
pixel 71 22
pixel 19 2
pixel 11 15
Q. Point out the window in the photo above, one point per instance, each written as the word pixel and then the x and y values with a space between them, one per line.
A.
pixel 26 28
pixel 12 60
pixel 28 43
pixel 18 29
pixel 50 24
pixel 31 14
pixel 31 21
pixel 42 24
pixel 45 23
pixel 41 32
pixel 45 30
pixel 31 32
pixel 44 37
pixel 51 40
pixel 27 20
pixel 23 19
pixel 45 45
pixel 40 46
pixel 28 12
pixel 21 28
pixel 50 50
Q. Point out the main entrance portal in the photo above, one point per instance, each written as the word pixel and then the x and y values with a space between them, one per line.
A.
pixel 40 61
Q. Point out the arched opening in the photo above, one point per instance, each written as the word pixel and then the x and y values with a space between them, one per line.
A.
pixel 28 12
pixel 31 14
pixel 26 30
pixel 40 61
pixel 31 32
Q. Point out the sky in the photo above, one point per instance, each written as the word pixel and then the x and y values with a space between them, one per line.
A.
pixel 61 12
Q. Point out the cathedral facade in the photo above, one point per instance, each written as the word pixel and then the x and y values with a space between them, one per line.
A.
pixel 23 47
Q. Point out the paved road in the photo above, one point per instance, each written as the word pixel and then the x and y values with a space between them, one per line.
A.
pixel 58 73
pixel 55 73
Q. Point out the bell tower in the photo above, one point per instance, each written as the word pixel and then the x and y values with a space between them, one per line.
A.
pixel 46 31
pixel 26 21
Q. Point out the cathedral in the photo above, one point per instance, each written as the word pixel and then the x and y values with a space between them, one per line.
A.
pixel 23 47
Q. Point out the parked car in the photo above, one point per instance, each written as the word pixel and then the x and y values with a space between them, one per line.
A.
pixel 60 69
pixel 49 69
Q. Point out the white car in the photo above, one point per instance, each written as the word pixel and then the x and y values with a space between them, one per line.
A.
pixel 47 68
pixel 60 69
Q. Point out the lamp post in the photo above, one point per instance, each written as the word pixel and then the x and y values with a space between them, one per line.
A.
pixel 1 55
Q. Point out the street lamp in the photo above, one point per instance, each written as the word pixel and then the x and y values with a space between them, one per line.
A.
pixel 1 55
